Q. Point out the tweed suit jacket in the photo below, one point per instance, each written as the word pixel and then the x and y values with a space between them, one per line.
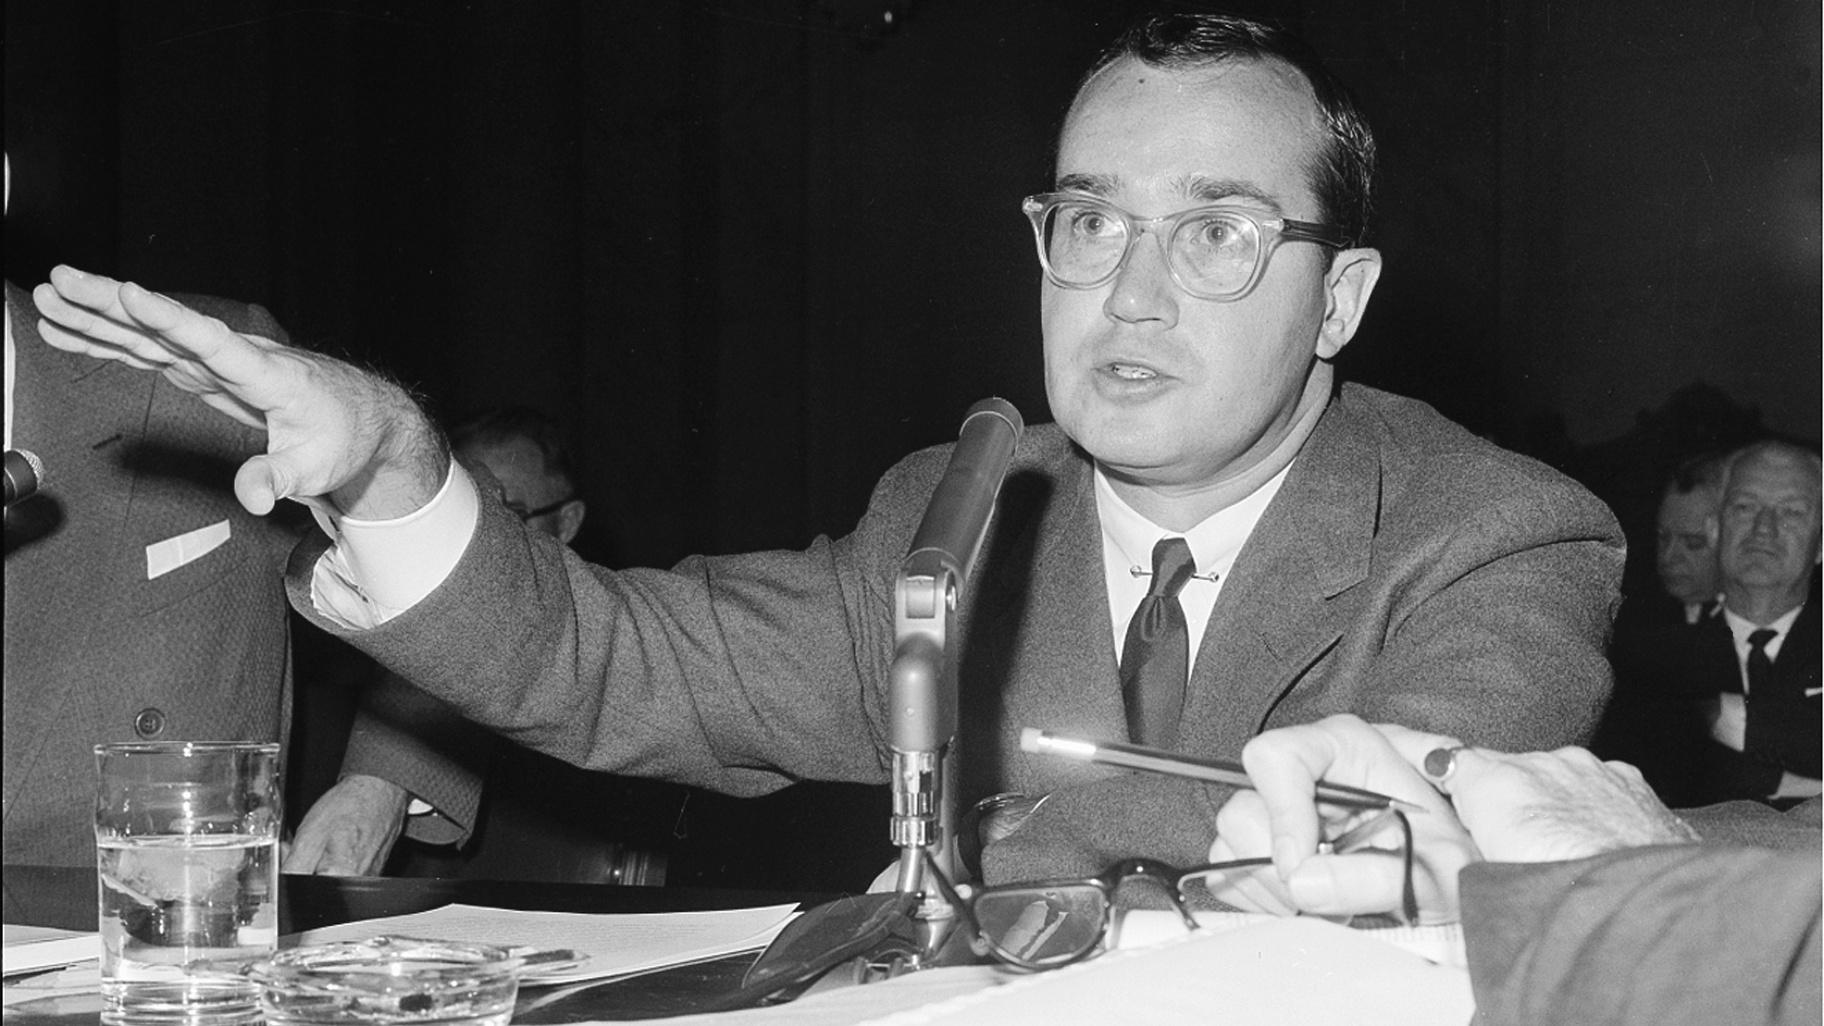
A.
pixel 1664 935
pixel 1406 571
pixel 95 649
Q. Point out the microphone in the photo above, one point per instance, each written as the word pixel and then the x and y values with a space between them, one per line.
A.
pixel 921 693
pixel 884 934
pixel 956 518
pixel 24 475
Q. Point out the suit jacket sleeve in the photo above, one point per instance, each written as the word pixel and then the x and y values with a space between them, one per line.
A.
pixel 1669 935
pixel 741 673
pixel 417 741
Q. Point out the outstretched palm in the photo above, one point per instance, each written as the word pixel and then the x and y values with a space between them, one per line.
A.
pixel 333 430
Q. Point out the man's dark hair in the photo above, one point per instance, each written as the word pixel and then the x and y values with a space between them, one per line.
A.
pixel 496 427
pixel 1343 175
pixel 1704 470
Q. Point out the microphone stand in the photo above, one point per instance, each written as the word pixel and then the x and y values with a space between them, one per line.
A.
pixel 922 686
pixel 914 924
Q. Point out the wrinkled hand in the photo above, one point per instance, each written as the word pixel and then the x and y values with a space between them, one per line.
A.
pixel 350 831
pixel 1281 818
pixel 333 431
pixel 1555 806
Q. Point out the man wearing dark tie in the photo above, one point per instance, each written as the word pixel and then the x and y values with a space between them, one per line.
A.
pixel 1204 263
pixel 1761 656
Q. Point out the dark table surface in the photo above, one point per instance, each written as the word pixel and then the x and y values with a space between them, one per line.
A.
pixel 65 897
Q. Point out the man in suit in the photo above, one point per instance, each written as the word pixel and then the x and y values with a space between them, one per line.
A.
pixel 1652 722
pixel 1760 660
pixel 140 597
pixel 1337 548
pixel 1583 899
pixel 1685 538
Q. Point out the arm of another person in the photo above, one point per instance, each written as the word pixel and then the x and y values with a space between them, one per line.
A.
pixel 405 745
pixel 1594 904
pixel 1687 934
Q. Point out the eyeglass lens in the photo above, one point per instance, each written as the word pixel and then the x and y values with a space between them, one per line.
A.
pixel 1212 252
pixel 1042 926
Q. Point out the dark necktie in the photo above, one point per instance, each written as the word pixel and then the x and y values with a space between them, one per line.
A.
pixel 1156 658
pixel 1760 667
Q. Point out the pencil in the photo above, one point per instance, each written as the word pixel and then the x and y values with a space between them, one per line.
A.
pixel 1220 771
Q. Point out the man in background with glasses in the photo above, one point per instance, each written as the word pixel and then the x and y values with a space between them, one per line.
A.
pixel 1303 547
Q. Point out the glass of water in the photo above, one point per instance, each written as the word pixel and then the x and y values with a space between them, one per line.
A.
pixel 187 869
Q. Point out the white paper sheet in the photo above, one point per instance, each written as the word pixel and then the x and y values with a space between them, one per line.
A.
pixel 1280 972
pixel 616 945
pixel 30 948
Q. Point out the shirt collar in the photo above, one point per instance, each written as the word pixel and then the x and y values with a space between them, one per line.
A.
pixel 1742 627
pixel 1214 542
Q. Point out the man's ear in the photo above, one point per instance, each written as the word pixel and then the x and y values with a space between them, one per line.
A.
pixel 1347 286
pixel 570 520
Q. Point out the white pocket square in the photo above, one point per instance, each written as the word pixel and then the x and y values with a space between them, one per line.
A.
pixel 166 556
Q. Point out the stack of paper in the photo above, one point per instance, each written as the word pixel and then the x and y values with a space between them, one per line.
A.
pixel 610 945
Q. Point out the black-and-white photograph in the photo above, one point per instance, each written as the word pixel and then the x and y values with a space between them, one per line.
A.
pixel 1043 510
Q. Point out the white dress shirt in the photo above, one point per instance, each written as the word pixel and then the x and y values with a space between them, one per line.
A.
pixel 1127 546
pixel 1741 628
pixel 377 569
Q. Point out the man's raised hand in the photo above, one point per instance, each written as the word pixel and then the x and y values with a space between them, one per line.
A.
pixel 334 431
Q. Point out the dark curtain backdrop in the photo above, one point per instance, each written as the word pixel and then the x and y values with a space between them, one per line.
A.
pixel 754 251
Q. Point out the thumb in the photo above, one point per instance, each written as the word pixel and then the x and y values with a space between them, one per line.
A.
pixel 261 482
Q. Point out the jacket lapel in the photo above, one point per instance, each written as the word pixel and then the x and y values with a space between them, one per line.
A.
pixel 1041 652
pixel 1280 610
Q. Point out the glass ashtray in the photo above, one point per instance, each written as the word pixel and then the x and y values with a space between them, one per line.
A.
pixel 389 980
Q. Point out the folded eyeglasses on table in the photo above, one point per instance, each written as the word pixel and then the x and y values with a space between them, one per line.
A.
pixel 1044 924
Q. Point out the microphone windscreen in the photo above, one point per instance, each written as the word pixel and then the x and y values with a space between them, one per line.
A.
pixel 24 474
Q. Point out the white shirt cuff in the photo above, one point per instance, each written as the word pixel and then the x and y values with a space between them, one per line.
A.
pixel 377 569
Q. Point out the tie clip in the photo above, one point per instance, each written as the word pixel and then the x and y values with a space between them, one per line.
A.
pixel 1139 571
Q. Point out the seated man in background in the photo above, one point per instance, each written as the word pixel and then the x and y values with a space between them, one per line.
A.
pixel 1583 899
pixel 1757 665
pixel 1685 539
pixel 1652 722
pixel 1302 546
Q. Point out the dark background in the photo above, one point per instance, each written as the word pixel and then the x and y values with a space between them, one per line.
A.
pixel 752 252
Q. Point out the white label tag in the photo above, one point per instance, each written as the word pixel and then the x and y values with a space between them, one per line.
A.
pixel 166 556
